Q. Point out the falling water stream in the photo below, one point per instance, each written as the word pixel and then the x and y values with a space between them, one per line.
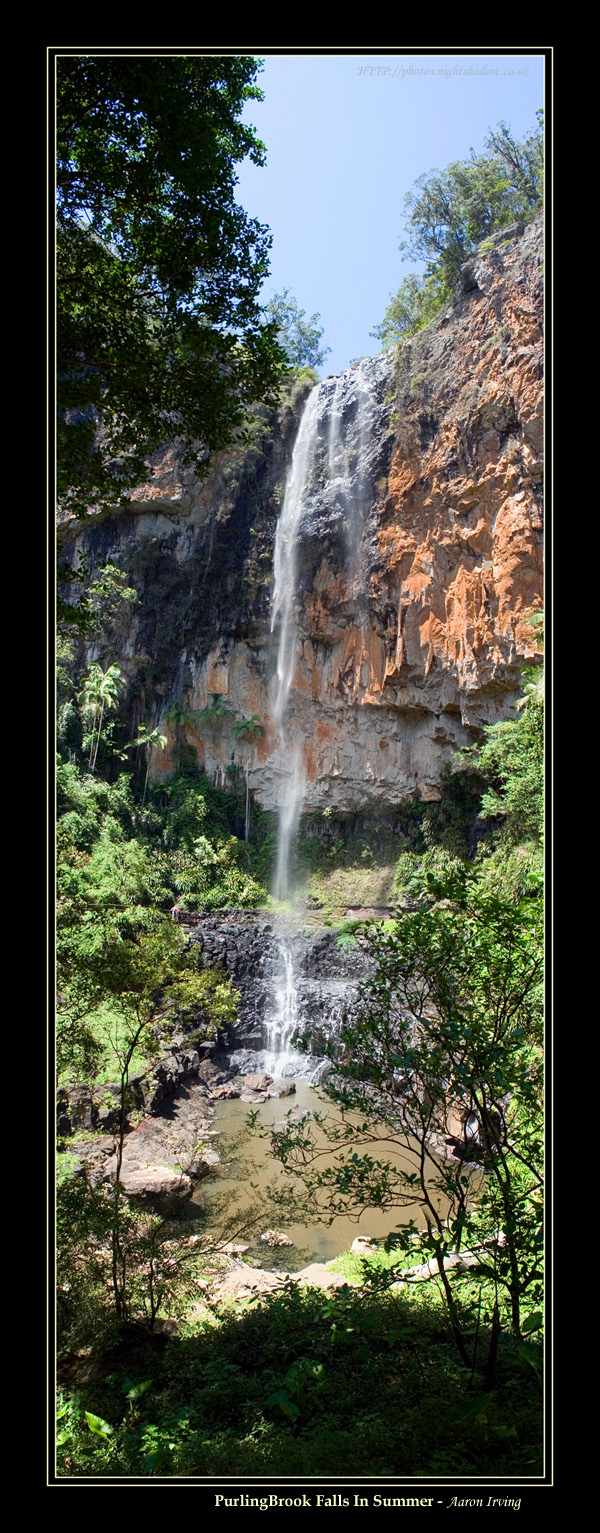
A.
pixel 282 1017
pixel 322 444
pixel 331 456
pixel 284 594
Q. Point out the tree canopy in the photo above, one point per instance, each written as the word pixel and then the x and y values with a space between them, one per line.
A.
pixel 298 334
pixel 450 212
pixel 159 330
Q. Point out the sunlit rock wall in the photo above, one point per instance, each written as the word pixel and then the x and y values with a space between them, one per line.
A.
pixel 419 558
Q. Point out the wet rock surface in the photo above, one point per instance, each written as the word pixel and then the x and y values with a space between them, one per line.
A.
pixel 248 948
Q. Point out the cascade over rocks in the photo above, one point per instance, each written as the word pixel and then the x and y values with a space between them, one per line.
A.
pixel 247 946
pixel 418 560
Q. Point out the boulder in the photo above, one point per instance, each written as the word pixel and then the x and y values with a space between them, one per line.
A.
pixel 155 1181
pixel 275 1238
pixel 246 1282
pixel 82 1112
pixel 108 1117
pixel 257 1082
pixel 317 1275
pixel 210 1073
pixel 364 1245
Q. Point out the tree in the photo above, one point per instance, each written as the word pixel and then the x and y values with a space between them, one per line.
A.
pixel 298 335
pixel 248 729
pixel 100 612
pixel 524 161
pixel 442 1061
pixel 129 978
pixel 149 738
pixel 451 212
pixel 411 308
pixel 99 694
pixel 512 758
pixel 159 331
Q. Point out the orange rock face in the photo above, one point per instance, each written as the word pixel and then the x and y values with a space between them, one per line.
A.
pixel 411 627
pixel 456 567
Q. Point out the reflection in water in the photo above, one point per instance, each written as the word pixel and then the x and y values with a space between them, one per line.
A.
pixel 312 1242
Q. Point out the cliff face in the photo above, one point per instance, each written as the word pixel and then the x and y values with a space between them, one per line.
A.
pixel 419 557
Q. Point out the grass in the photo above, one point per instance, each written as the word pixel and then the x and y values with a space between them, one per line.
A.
pixel 109 1027
pixel 349 887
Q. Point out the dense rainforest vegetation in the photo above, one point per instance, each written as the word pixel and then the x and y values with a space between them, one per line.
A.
pixel 433 1379
pixel 440 1377
pixel 159 329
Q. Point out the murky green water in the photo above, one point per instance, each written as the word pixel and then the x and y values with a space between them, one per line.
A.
pixel 312 1242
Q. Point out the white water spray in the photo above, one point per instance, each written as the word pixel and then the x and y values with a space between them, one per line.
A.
pixel 279 1057
pixel 286 567
pixel 341 462
pixel 346 467
pixel 282 1022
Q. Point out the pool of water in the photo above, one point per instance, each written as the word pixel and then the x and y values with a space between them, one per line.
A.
pixel 253 1163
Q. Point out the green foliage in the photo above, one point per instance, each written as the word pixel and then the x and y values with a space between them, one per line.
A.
pixel 82 802
pixel 150 739
pixel 161 1265
pixel 450 213
pixel 445 1042
pixel 308 1384
pixel 502 784
pixel 512 759
pixel 451 823
pixel 159 327
pixel 101 612
pixel 298 335
pixel 248 729
pixel 215 710
pixel 411 308
pixel 120 961
pixel 99 695
pixel 415 874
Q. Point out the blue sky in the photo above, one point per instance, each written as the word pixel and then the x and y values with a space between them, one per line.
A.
pixel 345 141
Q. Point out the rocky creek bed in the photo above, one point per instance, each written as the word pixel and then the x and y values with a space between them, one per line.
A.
pixel 170 1144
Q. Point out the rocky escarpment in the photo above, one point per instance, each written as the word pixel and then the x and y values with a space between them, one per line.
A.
pixel 249 949
pixel 419 558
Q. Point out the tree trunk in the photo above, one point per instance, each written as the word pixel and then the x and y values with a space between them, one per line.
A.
pixel 99 733
pixel 118 1255
pixel 147 776
pixel 454 1321
pixel 489 1376
pixel 91 756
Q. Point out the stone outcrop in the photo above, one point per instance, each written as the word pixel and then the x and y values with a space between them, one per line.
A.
pixel 247 948
pixel 163 1154
pixel 420 558
pixel 83 1107
pixel 245 1282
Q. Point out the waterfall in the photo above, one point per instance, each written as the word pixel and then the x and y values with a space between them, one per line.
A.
pixel 346 465
pixel 328 472
pixel 283 1021
pixel 286 563
pixel 283 1017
